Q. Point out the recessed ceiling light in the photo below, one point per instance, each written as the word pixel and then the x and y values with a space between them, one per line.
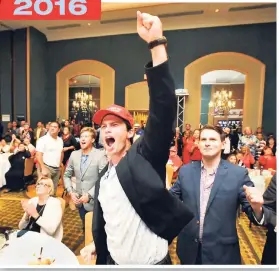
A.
pixel 89 24
pixel 217 10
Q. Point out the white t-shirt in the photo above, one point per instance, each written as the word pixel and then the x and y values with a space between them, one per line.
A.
pixel 51 149
pixel 129 240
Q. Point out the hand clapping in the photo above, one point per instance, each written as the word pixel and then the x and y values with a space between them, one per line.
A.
pixel 29 208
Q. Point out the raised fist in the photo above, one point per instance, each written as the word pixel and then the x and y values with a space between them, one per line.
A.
pixel 149 27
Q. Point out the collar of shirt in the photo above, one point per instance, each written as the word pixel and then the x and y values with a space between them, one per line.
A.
pixel 84 156
pixel 211 171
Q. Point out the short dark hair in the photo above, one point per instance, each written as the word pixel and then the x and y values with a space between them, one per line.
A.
pixel 56 123
pixel 232 154
pixel 217 129
pixel 128 126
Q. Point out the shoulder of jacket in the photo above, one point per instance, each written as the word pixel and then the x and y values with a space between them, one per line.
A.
pixel 54 200
pixel 75 153
pixel 189 166
pixel 33 200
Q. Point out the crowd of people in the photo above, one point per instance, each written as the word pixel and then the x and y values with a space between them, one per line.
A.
pixel 118 171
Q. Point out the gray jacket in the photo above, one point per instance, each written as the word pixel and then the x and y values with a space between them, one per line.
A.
pixel 85 182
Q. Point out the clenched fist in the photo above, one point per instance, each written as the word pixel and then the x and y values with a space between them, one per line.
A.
pixel 255 199
pixel 149 27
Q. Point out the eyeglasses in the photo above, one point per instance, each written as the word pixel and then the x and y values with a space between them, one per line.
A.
pixel 42 184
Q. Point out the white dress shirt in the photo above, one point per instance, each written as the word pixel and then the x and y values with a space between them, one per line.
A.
pixel 129 240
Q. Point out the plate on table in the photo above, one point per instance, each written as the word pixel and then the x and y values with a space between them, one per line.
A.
pixel 25 251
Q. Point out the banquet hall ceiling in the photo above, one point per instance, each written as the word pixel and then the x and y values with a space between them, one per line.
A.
pixel 120 18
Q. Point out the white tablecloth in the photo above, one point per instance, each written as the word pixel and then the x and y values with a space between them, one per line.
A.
pixel 26 249
pixel 4 167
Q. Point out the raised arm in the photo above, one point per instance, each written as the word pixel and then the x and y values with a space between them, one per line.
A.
pixel 158 132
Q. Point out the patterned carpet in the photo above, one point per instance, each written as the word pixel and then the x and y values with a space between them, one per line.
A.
pixel 251 240
pixel 11 213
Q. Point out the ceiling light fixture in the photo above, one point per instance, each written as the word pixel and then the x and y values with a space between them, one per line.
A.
pixel 217 10
pixel 89 24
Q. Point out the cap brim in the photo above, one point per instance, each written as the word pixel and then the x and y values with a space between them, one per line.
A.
pixel 100 114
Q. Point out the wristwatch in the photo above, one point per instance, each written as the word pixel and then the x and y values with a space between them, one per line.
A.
pixel 159 41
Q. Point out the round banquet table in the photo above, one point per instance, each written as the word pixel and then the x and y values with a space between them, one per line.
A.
pixel 4 167
pixel 21 251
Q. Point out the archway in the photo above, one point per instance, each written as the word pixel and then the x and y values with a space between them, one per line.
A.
pixel 137 100
pixel 90 67
pixel 254 84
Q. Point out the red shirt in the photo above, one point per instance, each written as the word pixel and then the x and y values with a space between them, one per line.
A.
pixel 196 154
pixel 185 154
pixel 268 162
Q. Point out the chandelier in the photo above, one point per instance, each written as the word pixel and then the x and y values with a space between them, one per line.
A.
pixel 84 102
pixel 222 102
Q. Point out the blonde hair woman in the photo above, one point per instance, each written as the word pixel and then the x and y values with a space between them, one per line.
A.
pixel 43 213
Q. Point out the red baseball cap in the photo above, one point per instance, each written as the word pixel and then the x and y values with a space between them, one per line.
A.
pixel 116 110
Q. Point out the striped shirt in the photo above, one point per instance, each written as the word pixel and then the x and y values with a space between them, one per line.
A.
pixel 206 184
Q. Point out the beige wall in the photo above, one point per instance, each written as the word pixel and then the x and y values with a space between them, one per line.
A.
pixel 137 96
pixel 254 84
pixel 92 67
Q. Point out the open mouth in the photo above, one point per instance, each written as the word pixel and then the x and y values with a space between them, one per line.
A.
pixel 82 143
pixel 110 141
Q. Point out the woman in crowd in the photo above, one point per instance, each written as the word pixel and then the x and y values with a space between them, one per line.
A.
pixel 232 159
pixel 174 161
pixel 30 147
pixel 193 146
pixel 5 144
pixel 271 142
pixel 14 144
pixel 43 213
pixel 185 153
pixel 15 175
pixel 267 160
pixel 247 158
pixel 239 159
pixel 69 143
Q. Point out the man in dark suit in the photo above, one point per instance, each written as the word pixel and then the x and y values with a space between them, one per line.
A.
pixel 213 189
pixel 135 216
pixel 267 218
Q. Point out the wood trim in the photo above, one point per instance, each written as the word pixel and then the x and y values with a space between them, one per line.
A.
pixel 28 75
pixel 80 67
pixel 253 91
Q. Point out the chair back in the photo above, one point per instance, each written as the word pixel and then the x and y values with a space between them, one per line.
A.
pixel 88 228
pixel 28 166
pixel 63 204
pixel 169 174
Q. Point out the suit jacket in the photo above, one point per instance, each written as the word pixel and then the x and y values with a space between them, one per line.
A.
pixel 269 210
pixel 86 181
pixel 219 241
pixel 51 219
pixel 141 172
